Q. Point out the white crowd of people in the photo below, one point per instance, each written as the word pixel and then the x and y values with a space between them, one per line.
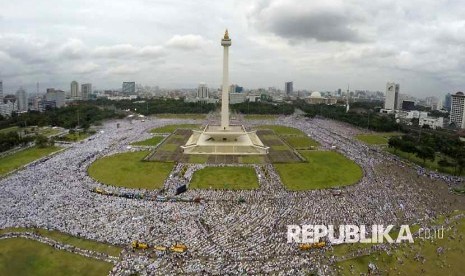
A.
pixel 229 232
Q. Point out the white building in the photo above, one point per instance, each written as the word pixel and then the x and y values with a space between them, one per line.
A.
pixel 21 99
pixel 431 122
pixel 75 95
pixel 203 91
pixel 235 98
pixel 457 108
pixel 392 96
pixel 86 90
pixel 7 108
pixel 57 96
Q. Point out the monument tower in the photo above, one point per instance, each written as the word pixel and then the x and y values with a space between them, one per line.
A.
pixel 224 139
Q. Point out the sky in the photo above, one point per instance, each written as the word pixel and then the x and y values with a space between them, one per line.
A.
pixel 320 45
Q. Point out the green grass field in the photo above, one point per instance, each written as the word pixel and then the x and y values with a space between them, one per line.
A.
pixel 225 178
pixel 260 117
pixel 283 130
pixel 155 140
pixel 127 170
pixel 9 129
pixel 433 165
pixel 402 260
pixel 74 137
pixel 21 158
pixel 27 257
pixel 376 139
pixel 325 169
pixel 172 128
pixel 71 240
pixel 181 116
pixel 301 142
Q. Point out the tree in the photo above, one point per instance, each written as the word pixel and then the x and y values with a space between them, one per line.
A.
pixel 425 152
pixel 41 141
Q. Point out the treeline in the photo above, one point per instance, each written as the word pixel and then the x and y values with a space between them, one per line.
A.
pixel 82 115
pixel 427 145
pixel 158 106
pixel 263 108
pixel 12 139
pixel 361 117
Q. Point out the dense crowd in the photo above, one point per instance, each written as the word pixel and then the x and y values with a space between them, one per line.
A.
pixel 223 234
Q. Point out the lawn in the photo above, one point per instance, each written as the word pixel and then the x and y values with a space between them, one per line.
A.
pixel 74 137
pixel 21 158
pixel 260 117
pixel 325 169
pixel 68 239
pixel 128 170
pixel 225 178
pixel 172 128
pixel 283 130
pixel 27 257
pixel 301 142
pixel 433 165
pixel 376 139
pixel 155 140
pixel 9 129
pixel 181 116
pixel 450 262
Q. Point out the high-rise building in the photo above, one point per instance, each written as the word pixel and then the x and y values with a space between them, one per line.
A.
pixel 86 90
pixel 129 87
pixel 457 108
pixel 1 90
pixel 202 91
pixel 75 95
pixel 447 102
pixel 57 96
pixel 21 97
pixel 392 96
pixel 288 88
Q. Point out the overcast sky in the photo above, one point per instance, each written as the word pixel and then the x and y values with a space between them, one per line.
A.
pixel 320 45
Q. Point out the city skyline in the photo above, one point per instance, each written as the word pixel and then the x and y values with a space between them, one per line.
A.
pixel 319 46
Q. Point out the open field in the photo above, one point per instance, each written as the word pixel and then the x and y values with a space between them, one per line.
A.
pixel 155 140
pixel 408 258
pixel 376 139
pixel 325 169
pixel 128 170
pixel 27 257
pixel 172 128
pixel 74 137
pixel 282 130
pixel 433 165
pixel 225 178
pixel 181 116
pixel 260 117
pixel 21 158
pixel 71 240
pixel 9 129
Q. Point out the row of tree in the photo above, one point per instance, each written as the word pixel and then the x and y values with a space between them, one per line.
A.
pixel 427 146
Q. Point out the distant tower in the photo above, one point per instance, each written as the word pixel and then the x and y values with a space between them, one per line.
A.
pixel 289 88
pixel 347 99
pixel 21 98
pixel 86 90
pixel 392 96
pixel 202 91
pixel 457 113
pixel 225 42
pixel 75 90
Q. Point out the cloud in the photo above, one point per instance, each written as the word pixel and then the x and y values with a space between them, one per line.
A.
pixel 186 42
pixel 114 51
pixel 123 70
pixel 86 68
pixel 297 21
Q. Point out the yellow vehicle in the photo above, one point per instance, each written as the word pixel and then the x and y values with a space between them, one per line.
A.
pixel 100 191
pixel 179 248
pixel 139 245
pixel 320 244
pixel 160 248
pixel 305 246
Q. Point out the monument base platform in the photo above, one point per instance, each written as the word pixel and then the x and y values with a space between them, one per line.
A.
pixel 234 140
